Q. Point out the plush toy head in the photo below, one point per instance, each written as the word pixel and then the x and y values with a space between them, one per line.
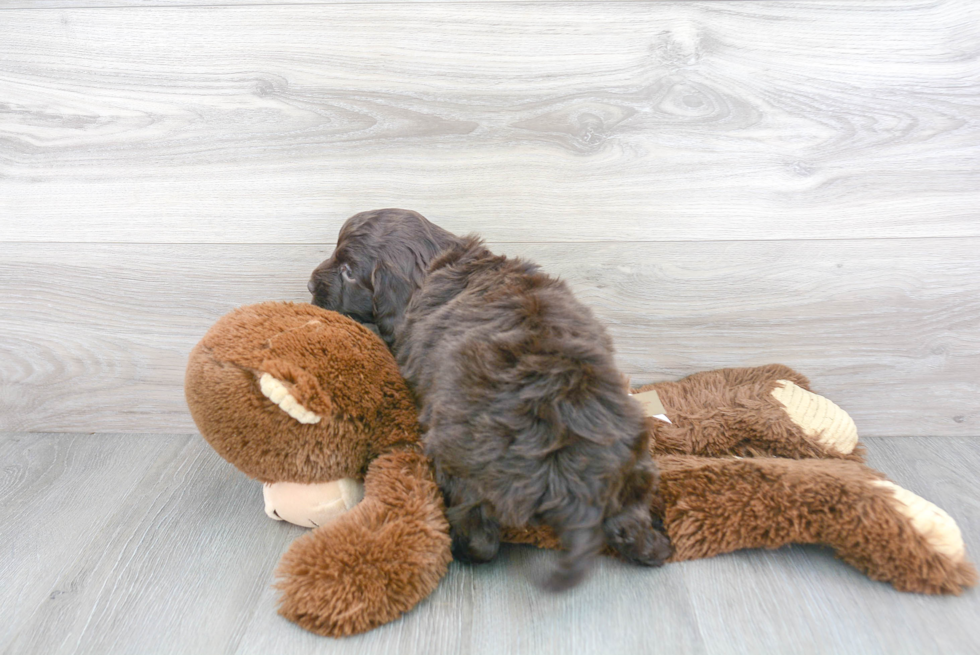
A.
pixel 293 393
pixel 311 404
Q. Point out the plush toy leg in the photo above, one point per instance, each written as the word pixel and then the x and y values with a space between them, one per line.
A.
pixel 714 506
pixel 375 562
pixel 751 412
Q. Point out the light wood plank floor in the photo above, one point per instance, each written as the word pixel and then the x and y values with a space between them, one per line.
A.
pixel 159 546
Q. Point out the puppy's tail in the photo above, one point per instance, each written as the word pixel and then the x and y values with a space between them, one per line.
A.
pixel 581 545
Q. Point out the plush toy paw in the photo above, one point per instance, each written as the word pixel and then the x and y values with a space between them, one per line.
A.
pixel 934 525
pixel 908 542
pixel 819 418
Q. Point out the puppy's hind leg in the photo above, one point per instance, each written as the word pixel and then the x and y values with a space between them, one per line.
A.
pixel 474 531
pixel 630 528
pixel 632 533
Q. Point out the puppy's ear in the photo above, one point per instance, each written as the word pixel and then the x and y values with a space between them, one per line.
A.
pixel 391 294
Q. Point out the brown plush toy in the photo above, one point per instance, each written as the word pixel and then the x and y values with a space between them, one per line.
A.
pixel 311 404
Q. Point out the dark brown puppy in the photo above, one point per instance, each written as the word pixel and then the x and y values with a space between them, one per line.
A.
pixel 523 410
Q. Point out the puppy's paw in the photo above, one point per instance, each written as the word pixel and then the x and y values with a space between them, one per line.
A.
pixel 477 546
pixel 634 537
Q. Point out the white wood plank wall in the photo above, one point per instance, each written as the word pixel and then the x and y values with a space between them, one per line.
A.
pixel 726 183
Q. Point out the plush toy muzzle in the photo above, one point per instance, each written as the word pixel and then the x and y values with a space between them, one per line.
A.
pixel 311 505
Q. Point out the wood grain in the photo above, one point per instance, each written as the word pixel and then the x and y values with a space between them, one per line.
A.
pixel 177 568
pixel 178 558
pixel 620 122
pixel 96 336
pixel 58 493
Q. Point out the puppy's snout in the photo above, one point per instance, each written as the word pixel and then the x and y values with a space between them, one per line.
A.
pixel 311 285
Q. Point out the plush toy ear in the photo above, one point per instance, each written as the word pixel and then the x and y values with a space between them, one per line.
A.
pixel 295 391
pixel 377 561
pixel 714 506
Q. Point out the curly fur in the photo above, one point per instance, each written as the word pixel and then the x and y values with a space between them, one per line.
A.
pixel 523 410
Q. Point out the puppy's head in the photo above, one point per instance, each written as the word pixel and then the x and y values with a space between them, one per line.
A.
pixel 380 261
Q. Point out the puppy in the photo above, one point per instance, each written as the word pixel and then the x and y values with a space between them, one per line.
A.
pixel 523 410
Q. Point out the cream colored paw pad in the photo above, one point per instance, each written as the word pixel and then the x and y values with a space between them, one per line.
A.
pixel 820 419
pixel 936 526
pixel 277 392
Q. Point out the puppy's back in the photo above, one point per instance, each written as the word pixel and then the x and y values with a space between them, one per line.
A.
pixel 520 397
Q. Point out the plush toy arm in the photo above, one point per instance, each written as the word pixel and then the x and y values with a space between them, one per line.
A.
pixel 377 561
pixel 714 506
pixel 751 412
